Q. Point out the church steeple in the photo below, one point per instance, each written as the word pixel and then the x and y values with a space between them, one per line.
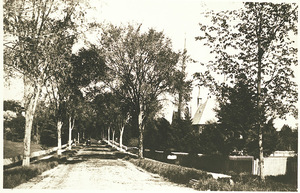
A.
pixel 199 99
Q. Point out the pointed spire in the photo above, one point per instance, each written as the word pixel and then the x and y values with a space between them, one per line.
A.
pixel 199 98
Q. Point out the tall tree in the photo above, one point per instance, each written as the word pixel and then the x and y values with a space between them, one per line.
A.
pixel 140 67
pixel 237 114
pixel 31 29
pixel 182 87
pixel 256 40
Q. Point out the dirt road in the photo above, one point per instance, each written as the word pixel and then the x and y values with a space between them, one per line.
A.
pixel 98 167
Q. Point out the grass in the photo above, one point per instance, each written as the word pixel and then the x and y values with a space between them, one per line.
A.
pixel 174 173
pixel 18 175
pixel 203 181
pixel 13 149
pixel 15 176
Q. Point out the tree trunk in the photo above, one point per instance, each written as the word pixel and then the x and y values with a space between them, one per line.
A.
pixel 260 53
pixel 70 132
pixel 108 134
pixel 113 137
pixel 121 137
pixel 30 102
pixel 59 126
pixel 141 135
pixel 78 137
pixel 260 135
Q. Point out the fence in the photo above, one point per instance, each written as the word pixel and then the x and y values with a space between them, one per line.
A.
pixel 124 148
pixel 273 165
pixel 19 158
pixel 277 165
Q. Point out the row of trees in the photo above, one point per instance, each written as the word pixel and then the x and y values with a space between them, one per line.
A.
pixel 122 78
pixel 127 66
pixel 39 36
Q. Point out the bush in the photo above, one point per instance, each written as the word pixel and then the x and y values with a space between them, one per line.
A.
pixel 212 185
pixel 174 173
pixel 244 182
pixel 202 181
pixel 133 142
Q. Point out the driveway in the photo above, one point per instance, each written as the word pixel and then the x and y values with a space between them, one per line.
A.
pixel 98 167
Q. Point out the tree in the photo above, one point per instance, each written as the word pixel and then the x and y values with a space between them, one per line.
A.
pixel 87 68
pixel 31 31
pixel 237 115
pixel 212 140
pixel 159 135
pixel 256 41
pixel 181 87
pixel 288 139
pixel 140 67
pixel 14 121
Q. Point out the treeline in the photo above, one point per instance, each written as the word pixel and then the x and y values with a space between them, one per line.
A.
pixel 160 134
pixel 181 136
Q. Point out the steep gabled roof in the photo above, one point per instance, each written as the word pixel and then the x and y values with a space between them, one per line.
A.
pixel 199 113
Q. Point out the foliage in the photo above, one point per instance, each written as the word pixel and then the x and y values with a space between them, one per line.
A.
pixel 140 65
pixel 14 121
pixel 38 39
pixel 159 135
pixel 174 173
pixel 288 139
pixel 237 114
pixel 185 137
pixel 211 184
pixel 87 67
pixel 18 175
pixel 15 176
pixel 11 105
pixel 212 140
pixel 14 129
pixel 257 41
pixel 243 182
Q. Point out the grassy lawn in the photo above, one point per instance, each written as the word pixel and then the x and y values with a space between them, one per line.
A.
pixel 13 149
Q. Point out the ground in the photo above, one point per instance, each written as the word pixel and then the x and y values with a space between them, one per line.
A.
pixel 98 167
pixel 13 149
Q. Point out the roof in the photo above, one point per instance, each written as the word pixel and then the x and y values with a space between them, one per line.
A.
pixel 199 113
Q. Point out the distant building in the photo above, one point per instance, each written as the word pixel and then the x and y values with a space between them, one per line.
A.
pixel 203 113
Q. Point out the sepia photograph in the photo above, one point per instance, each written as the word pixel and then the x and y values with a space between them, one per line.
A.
pixel 149 95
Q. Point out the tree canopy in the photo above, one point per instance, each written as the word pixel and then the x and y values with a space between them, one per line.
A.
pixel 241 39
pixel 255 40
pixel 140 67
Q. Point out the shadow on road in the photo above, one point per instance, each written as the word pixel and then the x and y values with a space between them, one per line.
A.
pixel 95 151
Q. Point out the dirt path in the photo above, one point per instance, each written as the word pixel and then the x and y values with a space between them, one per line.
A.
pixel 98 167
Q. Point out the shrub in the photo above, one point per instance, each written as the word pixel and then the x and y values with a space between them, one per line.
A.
pixel 174 173
pixel 244 182
pixel 203 181
pixel 212 185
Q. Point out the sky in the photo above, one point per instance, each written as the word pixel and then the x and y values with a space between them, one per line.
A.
pixel 178 19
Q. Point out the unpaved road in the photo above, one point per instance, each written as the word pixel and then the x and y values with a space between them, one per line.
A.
pixel 98 167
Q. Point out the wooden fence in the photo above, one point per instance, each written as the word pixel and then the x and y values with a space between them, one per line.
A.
pixel 19 158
